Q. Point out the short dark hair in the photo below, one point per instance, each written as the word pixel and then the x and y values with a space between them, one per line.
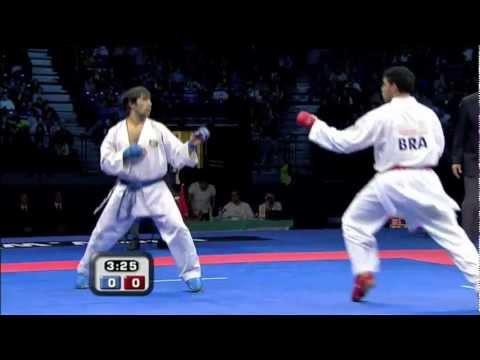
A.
pixel 402 77
pixel 131 95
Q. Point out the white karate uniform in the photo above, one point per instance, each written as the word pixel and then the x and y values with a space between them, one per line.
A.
pixel 155 200
pixel 404 133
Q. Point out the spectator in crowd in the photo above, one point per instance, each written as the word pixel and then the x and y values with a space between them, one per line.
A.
pixel 3 128
pixel 444 117
pixel 285 174
pixel 36 93
pixel 100 51
pixel 99 130
pixel 23 215
pixel 268 148
pixel 220 94
pixel 25 120
pixel 255 78
pixel 57 214
pixel 6 103
pixel 62 142
pixel 39 130
pixel 201 198
pixel 177 79
pixel 270 209
pixel 237 209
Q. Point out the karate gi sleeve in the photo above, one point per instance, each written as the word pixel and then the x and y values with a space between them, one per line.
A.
pixel 364 133
pixel 178 154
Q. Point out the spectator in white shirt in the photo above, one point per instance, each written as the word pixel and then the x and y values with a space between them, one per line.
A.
pixel 237 209
pixel 201 196
pixel 269 208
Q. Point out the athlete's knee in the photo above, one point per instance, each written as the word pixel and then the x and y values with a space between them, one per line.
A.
pixel 353 231
pixel 181 231
pixel 174 229
pixel 104 240
pixel 349 226
pixel 348 222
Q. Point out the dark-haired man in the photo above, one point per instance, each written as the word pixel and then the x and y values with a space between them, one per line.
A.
pixel 137 151
pixel 408 141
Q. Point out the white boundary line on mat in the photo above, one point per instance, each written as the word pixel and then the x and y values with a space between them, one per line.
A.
pixel 175 280
pixel 467 286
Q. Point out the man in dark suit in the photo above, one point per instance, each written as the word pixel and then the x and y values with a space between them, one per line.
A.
pixel 23 216
pixel 465 161
pixel 57 215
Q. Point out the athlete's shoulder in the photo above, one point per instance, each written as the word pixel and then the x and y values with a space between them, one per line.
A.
pixel 426 109
pixel 120 123
pixel 117 126
pixel 158 125
pixel 378 112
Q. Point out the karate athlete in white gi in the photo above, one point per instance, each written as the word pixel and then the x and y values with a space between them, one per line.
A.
pixel 137 151
pixel 408 141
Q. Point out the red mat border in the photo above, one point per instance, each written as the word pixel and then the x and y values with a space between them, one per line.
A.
pixel 430 256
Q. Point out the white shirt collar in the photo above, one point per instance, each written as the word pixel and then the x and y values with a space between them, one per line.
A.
pixel 399 99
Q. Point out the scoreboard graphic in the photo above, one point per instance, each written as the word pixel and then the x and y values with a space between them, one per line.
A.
pixel 118 273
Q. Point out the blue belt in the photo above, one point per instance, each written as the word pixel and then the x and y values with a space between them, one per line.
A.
pixel 130 195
